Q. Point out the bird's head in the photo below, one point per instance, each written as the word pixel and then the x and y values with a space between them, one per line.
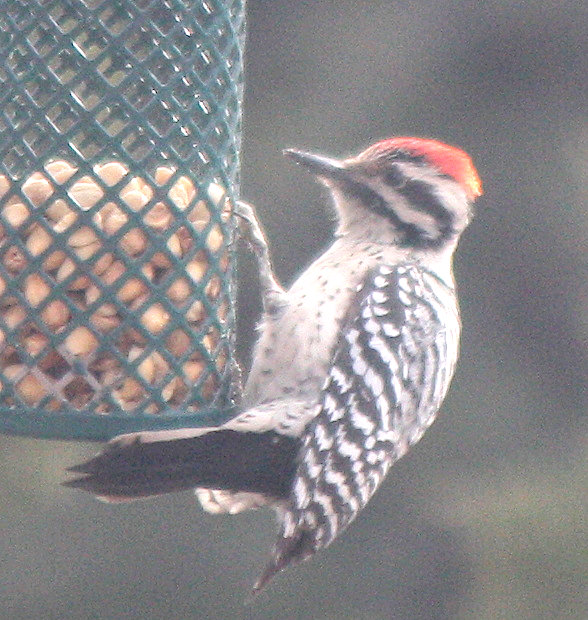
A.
pixel 422 188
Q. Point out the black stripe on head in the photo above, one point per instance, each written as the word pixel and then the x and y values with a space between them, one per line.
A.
pixel 374 202
pixel 423 198
pixel 394 177
pixel 411 234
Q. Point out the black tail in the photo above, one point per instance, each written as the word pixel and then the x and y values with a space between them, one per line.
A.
pixel 223 459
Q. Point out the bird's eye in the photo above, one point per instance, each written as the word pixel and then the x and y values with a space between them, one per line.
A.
pixel 393 177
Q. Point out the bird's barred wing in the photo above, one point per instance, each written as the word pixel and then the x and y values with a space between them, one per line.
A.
pixel 390 372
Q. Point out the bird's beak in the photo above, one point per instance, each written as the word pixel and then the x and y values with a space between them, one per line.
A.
pixel 323 167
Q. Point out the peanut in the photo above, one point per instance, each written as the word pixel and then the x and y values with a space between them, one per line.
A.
pixel 161 366
pixel 81 341
pixel 58 210
pixel 178 195
pixel 28 387
pixel 87 251
pixel 147 367
pixel 134 242
pixel 196 270
pixel 39 240
pixel 200 212
pixel 216 194
pixel 178 343
pixel 214 240
pixel 179 291
pixel 67 220
pixel 65 270
pixel 155 318
pixel 134 199
pixel 14 316
pixel 35 343
pixel 85 192
pixel 111 172
pixel 54 261
pixel 30 390
pixel 192 370
pixel 14 212
pixel 130 392
pixel 36 289
pixel 37 188
pixel 56 314
pixel 14 371
pixel 103 320
pixel 103 263
pixel 173 245
pixel 195 312
pixel 61 171
pixel 159 217
pixel 169 389
pixel 113 221
pixel 137 184
pixel 82 237
pixel 14 260
pixel 4 185
pixel 163 174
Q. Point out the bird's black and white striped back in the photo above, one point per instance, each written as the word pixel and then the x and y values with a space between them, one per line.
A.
pixel 390 372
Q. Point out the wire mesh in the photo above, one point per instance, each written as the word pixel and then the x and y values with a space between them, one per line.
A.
pixel 119 145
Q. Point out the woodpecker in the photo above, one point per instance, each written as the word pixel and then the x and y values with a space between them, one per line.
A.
pixel 351 365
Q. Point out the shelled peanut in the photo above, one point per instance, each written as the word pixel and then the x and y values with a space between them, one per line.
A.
pixel 104 271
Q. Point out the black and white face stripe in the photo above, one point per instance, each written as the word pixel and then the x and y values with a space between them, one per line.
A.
pixel 422 197
pixel 419 216
pixel 423 215
pixel 376 203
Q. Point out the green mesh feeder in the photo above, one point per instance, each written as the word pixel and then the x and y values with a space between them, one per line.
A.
pixel 119 153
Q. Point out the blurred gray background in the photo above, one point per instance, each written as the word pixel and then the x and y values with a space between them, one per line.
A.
pixel 485 518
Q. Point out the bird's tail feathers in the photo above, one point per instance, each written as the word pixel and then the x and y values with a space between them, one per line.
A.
pixel 141 465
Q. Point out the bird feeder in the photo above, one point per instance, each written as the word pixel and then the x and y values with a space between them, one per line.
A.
pixel 119 154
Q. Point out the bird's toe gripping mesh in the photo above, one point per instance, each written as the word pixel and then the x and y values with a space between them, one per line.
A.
pixel 119 139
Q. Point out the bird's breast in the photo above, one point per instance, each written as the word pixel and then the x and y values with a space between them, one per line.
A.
pixel 296 346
